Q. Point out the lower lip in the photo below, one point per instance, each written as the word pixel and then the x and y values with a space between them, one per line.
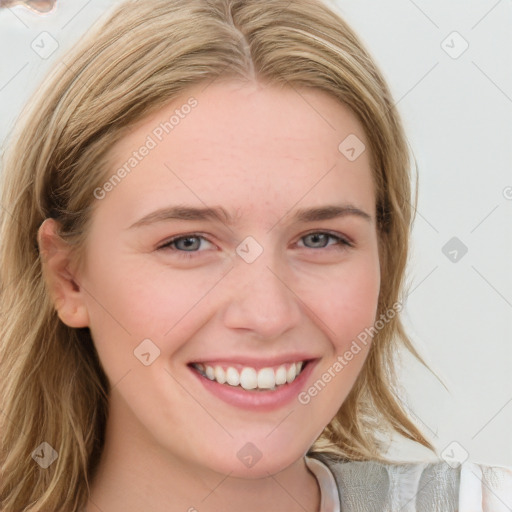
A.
pixel 257 400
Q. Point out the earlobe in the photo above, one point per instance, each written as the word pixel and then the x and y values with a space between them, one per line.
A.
pixel 67 294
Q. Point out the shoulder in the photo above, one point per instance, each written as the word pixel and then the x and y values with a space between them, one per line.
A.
pixel 488 485
pixel 420 486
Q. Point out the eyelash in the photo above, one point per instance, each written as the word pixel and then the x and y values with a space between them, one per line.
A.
pixel 340 241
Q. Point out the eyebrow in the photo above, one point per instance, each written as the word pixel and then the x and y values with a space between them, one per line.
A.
pixel 219 214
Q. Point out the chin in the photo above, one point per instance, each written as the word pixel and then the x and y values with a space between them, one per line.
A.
pixel 263 468
pixel 255 460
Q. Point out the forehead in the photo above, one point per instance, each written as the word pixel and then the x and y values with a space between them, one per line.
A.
pixel 243 144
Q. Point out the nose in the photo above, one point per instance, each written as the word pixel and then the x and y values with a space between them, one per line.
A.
pixel 261 298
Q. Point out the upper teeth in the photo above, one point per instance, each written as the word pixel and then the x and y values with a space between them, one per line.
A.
pixel 249 378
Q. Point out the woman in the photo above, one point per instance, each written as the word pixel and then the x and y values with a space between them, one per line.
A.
pixel 202 260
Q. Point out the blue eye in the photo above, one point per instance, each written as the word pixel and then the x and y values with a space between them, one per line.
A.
pixel 184 244
pixel 321 239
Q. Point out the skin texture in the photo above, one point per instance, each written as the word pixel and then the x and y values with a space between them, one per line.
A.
pixel 261 153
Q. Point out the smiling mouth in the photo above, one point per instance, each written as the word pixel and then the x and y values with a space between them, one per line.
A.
pixel 248 378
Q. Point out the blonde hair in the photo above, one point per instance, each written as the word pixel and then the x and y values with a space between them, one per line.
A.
pixel 145 54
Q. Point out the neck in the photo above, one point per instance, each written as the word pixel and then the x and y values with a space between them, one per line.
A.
pixel 135 474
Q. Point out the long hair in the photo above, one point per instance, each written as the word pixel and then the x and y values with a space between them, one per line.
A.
pixel 140 57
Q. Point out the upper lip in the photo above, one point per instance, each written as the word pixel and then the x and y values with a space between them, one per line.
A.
pixel 254 362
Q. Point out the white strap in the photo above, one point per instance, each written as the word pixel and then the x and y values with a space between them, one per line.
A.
pixel 329 495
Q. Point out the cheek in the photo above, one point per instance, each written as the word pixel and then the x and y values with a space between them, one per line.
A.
pixel 130 300
pixel 348 309
pixel 346 302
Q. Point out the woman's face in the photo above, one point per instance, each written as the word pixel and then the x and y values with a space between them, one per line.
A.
pixel 239 243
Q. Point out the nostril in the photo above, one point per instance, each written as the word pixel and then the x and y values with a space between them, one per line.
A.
pixel 38 6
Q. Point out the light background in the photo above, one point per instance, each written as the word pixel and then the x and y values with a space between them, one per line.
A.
pixel 457 111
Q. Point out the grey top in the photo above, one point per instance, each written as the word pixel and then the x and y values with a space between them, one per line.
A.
pixel 420 487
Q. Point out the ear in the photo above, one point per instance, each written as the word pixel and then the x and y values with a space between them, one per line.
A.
pixel 67 295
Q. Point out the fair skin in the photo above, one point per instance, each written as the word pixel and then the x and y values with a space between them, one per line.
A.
pixel 173 440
